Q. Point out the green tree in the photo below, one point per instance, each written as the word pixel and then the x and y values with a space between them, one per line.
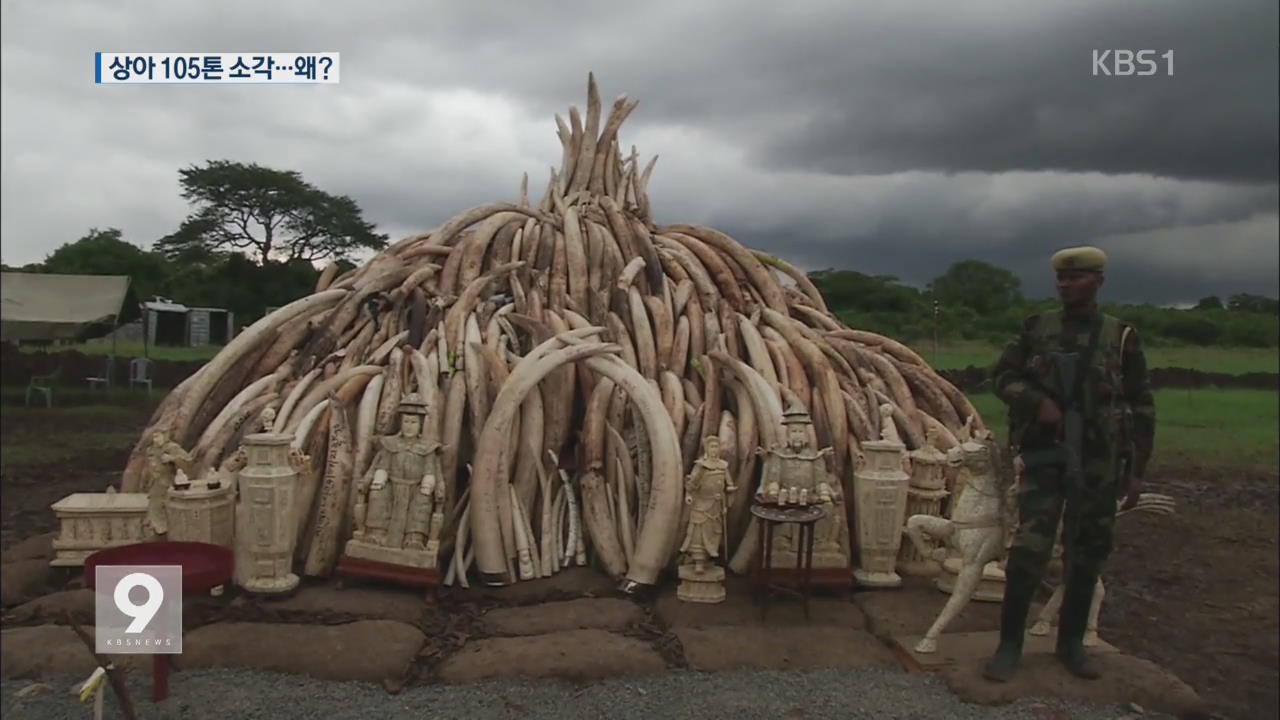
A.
pixel 1213 302
pixel 1194 330
pixel 105 252
pixel 1253 303
pixel 850 290
pixel 272 215
pixel 977 285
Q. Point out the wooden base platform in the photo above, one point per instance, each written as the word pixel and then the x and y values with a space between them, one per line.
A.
pixel 349 567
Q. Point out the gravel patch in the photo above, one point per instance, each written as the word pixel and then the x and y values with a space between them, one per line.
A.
pixel 739 694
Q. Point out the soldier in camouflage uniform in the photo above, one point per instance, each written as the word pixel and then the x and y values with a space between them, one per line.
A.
pixel 1118 412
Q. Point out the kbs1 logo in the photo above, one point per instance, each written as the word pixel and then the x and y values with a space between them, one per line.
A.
pixel 1124 63
pixel 138 609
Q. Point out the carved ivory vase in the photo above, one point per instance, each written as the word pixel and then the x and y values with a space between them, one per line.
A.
pixel 266 531
pixel 198 512
pixel 880 487
pixel 89 522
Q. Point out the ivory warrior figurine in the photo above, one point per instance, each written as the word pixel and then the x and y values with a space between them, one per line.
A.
pixel 706 492
pixel 166 461
pixel 399 506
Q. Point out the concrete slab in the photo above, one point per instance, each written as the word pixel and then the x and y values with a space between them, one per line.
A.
pixel 365 650
pixel 738 608
pixel 580 614
pixel 772 648
pixel 977 646
pixel 42 651
pixel 570 655
pixel 567 584
pixel 1125 679
pixel 912 608
pixel 377 603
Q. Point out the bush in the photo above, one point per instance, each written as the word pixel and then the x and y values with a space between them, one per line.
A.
pixel 1194 330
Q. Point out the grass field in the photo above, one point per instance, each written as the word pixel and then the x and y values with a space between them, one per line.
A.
pixel 1233 361
pixel 1220 428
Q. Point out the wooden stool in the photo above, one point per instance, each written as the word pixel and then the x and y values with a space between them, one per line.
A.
pixel 804 517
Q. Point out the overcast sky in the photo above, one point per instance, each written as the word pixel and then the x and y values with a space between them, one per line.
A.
pixel 886 137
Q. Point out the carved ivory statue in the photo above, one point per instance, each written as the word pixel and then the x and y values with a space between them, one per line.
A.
pixel 796 474
pixel 888 430
pixel 707 491
pixel 978 529
pixel 399 507
pixel 166 460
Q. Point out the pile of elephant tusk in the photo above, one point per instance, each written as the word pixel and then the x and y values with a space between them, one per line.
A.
pixel 572 354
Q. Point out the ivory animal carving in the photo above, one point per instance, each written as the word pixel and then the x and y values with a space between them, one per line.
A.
pixel 977 528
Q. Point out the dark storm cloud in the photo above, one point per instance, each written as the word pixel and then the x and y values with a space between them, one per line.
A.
pixel 1024 97
pixel 885 136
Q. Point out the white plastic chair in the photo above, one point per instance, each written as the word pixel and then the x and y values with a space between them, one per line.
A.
pixel 103 380
pixel 140 373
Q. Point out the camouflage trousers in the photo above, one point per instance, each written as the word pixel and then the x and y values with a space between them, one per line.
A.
pixel 1088 527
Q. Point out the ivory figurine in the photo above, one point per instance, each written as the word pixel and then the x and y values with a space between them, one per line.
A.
pixel 707 491
pixel 888 430
pixel 399 507
pixel 978 529
pixel 166 461
pixel 797 475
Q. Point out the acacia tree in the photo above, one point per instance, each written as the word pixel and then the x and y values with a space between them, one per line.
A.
pixel 270 215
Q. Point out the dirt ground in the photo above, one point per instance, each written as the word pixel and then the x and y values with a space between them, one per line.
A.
pixel 1196 592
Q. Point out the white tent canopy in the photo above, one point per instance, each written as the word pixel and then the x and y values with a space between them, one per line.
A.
pixel 39 306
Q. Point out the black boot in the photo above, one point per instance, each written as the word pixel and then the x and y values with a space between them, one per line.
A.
pixel 1073 620
pixel 1019 588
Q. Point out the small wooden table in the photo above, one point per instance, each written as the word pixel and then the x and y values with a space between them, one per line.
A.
pixel 804 517
pixel 204 567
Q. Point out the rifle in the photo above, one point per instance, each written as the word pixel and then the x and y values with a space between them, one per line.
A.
pixel 1070 370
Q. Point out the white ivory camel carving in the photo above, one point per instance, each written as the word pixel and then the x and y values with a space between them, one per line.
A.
pixel 1147 502
pixel 977 529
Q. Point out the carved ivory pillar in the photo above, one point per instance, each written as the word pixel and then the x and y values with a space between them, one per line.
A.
pixel 925 495
pixel 880 487
pixel 265 528
pixel 202 511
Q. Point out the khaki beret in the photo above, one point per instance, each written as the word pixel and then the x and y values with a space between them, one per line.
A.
pixel 1080 258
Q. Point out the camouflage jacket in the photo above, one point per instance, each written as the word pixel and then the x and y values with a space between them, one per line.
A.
pixel 1116 395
